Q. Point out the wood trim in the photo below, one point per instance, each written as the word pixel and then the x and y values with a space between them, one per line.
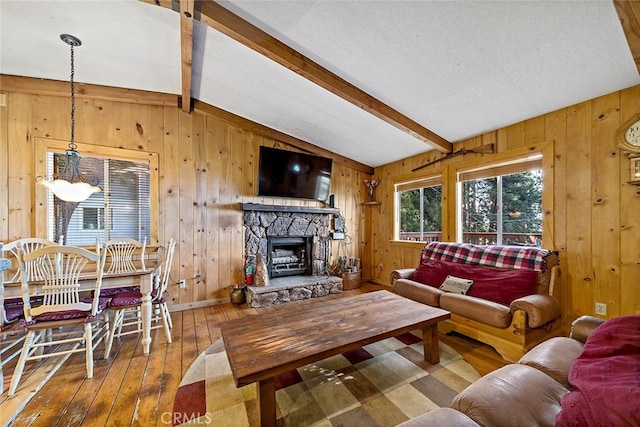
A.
pixel 629 14
pixel 223 20
pixel 186 43
pixel 36 86
pixel 264 131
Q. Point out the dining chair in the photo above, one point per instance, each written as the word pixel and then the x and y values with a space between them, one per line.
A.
pixel 122 253
pixel 125 306
pixel 30 244
pixel 63 308
pixel 10 337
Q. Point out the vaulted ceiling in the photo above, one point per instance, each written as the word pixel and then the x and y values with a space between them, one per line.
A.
pixel 371 81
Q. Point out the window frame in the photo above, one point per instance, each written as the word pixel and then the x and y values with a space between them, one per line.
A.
pixel 507 161
pixel 399 186
pixel 43 146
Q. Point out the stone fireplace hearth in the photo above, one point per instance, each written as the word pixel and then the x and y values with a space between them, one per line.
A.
pixel 294 242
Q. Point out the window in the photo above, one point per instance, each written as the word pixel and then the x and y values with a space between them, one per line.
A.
pixel 502 205
pixel 124 208
pixel 419 210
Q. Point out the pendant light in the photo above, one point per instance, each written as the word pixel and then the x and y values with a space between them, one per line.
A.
pixel 74 190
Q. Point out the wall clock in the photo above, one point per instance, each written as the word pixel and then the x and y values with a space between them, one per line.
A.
pixel 628 135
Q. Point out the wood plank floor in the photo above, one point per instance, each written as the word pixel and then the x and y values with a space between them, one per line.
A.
pixel 132 389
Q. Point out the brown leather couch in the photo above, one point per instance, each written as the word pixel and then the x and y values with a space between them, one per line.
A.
pixel 511 328
pixel 526 393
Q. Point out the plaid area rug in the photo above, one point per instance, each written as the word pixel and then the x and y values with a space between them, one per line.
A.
pixel 381 384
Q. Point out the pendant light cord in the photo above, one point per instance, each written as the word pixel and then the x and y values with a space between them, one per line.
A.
pixel 72 142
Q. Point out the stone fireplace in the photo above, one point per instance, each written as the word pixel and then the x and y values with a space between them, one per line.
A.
pixel 294 242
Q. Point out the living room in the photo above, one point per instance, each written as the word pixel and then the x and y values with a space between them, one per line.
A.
pixel 207 167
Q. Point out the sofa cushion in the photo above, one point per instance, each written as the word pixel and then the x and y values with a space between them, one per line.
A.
pixel 605 376
pixel 440 417
pixel 478 309
pixel 554 357
pixel 493 284
pixel 514 395
pixel 418 292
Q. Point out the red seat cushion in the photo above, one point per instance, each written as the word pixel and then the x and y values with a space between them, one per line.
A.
pixel 492 284
pixel 127 298
pixel 71 314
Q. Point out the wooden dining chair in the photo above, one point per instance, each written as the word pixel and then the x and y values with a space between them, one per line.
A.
pixel 10 336
pixel 29 244
pixel 124 307
pixel 122 254
pixel 63 308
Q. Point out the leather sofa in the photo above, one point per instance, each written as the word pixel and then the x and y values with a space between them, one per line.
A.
pixel 527 393
pixel 513 304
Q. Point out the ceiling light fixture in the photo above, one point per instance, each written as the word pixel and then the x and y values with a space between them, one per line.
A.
pixel 74 190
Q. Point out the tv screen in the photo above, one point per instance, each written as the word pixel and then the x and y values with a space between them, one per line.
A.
pixel 284 173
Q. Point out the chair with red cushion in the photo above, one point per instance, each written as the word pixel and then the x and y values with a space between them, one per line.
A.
pixel 10 337
pixel 125 306
pixel 58 269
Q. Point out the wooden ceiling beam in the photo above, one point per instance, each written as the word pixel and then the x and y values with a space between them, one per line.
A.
pixel 36 86
pixel 243 32
pixel 186 49
pixel 629 15
pixel 258 129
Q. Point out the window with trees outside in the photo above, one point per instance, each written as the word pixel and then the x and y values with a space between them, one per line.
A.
pixel 502 205
pixel 124 208
pixel 419 205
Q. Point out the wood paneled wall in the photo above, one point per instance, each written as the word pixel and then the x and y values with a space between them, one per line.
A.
pixel 207 166
pixel 595 213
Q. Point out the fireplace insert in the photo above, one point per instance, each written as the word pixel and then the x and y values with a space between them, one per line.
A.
pixel 289 256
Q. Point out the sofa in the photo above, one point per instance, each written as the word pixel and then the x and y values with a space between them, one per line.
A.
pixel 590 378
pixel 503 296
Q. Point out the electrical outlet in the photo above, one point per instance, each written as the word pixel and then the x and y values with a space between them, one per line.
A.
pixel 601 309
pixel 182 283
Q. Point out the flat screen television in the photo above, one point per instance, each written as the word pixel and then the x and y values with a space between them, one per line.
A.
pixel 284 173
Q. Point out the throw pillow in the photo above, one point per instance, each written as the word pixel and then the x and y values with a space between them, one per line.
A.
pixel 456 285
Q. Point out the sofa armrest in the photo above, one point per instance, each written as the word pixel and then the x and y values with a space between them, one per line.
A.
pixel 403 273
pixel 582 327
pixel 540 309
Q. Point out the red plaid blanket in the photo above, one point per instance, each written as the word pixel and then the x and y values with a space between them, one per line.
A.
pixel 514 257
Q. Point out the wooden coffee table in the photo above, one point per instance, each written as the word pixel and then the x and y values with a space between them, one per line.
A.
pixel 263 346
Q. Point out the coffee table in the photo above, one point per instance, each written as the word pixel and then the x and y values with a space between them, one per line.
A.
pixel 263 346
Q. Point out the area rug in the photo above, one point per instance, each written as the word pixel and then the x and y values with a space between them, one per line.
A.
pixel 381 384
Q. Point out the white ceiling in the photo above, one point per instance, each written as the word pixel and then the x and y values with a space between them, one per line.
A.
pixel 458 68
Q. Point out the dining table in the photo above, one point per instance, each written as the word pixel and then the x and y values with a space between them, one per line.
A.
pixel 144 276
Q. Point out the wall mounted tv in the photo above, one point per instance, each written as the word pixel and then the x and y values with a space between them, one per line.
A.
pixel 284 173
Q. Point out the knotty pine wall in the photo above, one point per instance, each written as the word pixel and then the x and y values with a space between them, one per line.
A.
pixel 595 213
pixel 207 167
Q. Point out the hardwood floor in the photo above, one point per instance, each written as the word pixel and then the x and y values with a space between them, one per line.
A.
pixel 132 389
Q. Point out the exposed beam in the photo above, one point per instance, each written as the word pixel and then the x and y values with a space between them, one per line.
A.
pixel 105 93
pixel 186 42
pixel 267 132
pixel 243 32
pixel 629 14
